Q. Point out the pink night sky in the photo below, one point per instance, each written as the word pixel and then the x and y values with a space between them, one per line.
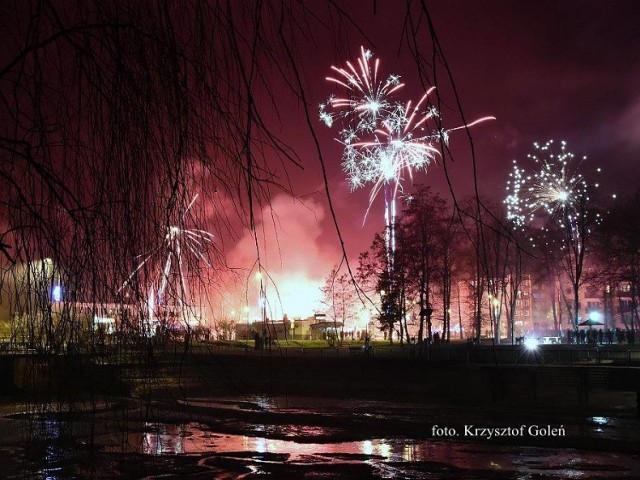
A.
pixel 565 70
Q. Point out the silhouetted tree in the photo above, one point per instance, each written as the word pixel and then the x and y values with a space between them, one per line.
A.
pixel 378 278
pixel 617 249
pixel 424 241
pixel 340 299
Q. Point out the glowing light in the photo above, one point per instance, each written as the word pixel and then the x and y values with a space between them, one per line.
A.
pixel 297 296
pixel 600 420
pixel 595 315
pixel 367 447
pixel 531 344
pixel 56 293
pixel 389 150
pixel 151 303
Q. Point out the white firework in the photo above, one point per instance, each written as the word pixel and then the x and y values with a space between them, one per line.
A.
pixel 555 188
pixel 168 261
pixel 385 141
pixel 403 145
pixel 369 98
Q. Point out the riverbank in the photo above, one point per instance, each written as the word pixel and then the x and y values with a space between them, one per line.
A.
pixel 240 416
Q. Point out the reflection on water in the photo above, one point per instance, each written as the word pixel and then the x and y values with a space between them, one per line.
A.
pixel 386 455
pixel 283 446
pixel 163 440
pixel 192 438
pixel 600 420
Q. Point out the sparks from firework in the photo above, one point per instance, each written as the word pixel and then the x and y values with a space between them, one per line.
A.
pixel 401 146
pixel 404 145
pixel 177 241
pixel 555 188
pixel 371 110
pixel 384 140
pixel 369 99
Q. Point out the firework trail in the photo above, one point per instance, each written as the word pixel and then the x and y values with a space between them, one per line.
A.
pixel 168 259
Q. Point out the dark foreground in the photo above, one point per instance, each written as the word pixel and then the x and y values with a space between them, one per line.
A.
pixel 231 417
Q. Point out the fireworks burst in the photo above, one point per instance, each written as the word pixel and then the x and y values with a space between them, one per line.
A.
pixel 555 188
pixel 382 138
pixel 168 261
pixel 369 98
pixel 398 147
pixel 385 141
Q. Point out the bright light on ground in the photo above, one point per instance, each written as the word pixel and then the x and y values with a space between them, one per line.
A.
pixel 531 343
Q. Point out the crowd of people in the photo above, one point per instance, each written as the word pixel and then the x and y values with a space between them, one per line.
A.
pixel 600 336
